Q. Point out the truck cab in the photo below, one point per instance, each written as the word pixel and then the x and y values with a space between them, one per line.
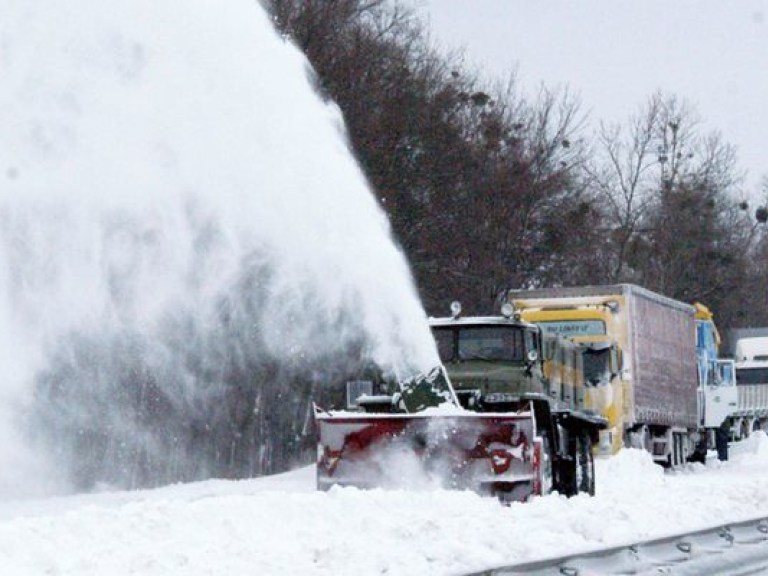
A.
pixel 492 362
pixel 505 365
pixel 589 326
pixel 717 376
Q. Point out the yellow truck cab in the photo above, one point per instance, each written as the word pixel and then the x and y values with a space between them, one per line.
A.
pixel 591 326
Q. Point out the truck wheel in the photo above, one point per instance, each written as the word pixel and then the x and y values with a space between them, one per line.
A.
pixel 585 465
pixel 547 480
pixel 578 472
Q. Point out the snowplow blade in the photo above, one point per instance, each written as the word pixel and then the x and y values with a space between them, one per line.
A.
pixel 491 453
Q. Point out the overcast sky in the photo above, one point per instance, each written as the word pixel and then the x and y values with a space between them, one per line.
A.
pixel 615 54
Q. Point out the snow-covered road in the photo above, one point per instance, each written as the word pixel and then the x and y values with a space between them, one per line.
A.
pixel 279 525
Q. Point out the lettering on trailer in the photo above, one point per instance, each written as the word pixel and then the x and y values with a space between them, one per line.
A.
pixel 574 327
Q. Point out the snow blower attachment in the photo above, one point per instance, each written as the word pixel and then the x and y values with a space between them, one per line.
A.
pixel 421 437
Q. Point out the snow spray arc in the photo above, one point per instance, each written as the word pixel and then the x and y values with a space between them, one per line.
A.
pixel 186 246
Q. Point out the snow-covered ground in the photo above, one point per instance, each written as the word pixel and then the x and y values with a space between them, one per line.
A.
pixel 280 525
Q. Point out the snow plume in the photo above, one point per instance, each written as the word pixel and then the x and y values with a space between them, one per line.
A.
pixel 188 251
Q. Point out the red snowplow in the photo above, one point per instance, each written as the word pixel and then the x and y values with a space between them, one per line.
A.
pixel 496 454
pixel 422 437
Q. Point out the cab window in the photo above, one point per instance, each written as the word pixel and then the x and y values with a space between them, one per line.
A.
pixel 497 343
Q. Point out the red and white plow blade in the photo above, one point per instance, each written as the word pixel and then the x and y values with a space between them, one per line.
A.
pixel 489 453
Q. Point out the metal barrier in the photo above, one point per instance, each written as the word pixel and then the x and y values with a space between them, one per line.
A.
pixel 734 549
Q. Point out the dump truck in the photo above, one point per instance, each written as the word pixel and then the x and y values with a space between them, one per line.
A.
pixel 658 390
pixel 502 415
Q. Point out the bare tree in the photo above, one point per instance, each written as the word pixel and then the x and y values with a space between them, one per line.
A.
pixel 624 176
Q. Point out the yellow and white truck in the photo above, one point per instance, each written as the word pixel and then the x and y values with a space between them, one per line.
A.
pixel 642 365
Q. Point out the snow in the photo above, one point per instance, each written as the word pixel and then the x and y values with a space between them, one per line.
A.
pixel 281 525
pixel 155 159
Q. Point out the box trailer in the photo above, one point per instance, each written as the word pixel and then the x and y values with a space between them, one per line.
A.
pixel 651 394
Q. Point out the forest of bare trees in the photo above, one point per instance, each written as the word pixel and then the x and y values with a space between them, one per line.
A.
pixel 488 189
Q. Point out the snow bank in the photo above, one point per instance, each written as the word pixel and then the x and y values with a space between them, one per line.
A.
pixel 280 525
pixel 753 449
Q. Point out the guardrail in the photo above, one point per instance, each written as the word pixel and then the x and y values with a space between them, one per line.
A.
pixel 733 549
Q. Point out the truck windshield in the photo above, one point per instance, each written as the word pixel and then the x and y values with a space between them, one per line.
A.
pixel 751 376
pixel 496 343
pixel 597 366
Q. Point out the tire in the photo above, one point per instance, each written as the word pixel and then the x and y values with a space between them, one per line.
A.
pixel 547 476
pixel 579 466
pixel 585 465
